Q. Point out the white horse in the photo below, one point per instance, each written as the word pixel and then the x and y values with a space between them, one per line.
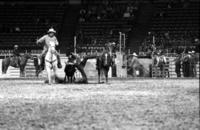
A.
pixel 51 63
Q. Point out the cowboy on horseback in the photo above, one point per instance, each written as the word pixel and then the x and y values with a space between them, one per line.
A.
pixel 135 65
pixel 17 61
pixel 47 40
pixel 16 55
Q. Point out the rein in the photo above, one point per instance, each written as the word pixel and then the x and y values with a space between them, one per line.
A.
pixel 51 62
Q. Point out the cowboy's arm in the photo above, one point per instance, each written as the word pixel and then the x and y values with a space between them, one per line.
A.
pixel 41 40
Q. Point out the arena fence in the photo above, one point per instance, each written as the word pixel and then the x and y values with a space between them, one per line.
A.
pixel 120 69
pixel 169 69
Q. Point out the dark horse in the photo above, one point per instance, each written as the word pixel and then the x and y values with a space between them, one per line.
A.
pixel 104 62
pixel 38 67
pixel 70 69
pixel 11 61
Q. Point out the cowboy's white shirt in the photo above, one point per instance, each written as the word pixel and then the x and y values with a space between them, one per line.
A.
pixel 52 43
pixel 48 40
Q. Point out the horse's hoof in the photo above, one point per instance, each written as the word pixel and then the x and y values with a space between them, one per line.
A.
pixel 46 82
pixel 101 82
pixel 85 81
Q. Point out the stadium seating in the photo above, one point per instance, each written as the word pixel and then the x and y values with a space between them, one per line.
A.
pixel 181 22
pixel 96 32
pixel 22 24
pixel 175 26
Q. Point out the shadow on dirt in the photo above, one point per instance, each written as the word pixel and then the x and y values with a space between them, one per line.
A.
pixel 61 81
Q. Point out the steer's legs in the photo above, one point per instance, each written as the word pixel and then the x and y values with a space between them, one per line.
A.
pixel 48 69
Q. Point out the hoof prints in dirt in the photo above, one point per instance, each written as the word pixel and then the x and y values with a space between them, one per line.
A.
pixel 120 105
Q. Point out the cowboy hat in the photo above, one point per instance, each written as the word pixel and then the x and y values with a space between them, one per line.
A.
pixel 134 54
pixel 16 46
pixel 51 30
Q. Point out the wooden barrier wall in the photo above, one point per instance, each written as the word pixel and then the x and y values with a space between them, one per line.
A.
pixel 170 69
pixel 91 72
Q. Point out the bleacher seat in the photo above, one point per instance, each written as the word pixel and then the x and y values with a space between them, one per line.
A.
pixel 32 21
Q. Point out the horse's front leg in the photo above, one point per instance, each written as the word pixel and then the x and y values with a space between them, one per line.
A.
pixel 38 71
pixel 68 79
pixel 99 76
pixel 106 75
pixel 106 78
pixel 48 70
pixel 21 72
pixel 71 78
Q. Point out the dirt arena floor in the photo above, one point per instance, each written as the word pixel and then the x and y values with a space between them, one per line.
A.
pixel 120 105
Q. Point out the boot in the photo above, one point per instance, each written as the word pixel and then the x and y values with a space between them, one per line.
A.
pixel 59 62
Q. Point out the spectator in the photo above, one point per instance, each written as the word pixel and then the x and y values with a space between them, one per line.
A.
pixel 127 14
pixel 17 29
pixel 82 12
